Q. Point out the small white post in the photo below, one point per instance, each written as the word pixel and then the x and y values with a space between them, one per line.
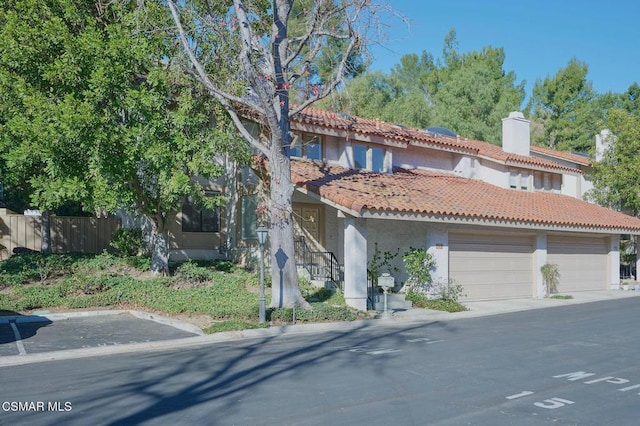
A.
pixel 386 281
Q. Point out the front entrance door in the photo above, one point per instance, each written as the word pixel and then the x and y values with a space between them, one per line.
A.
pixel 308 223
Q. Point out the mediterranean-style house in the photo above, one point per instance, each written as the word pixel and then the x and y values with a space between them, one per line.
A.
pixel 491 216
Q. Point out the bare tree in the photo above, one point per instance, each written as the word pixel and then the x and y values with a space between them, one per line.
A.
pixel 266 61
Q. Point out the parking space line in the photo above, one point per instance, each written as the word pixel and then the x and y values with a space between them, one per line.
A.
pixel 18 337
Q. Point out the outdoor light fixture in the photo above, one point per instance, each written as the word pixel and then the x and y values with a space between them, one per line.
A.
pixel 262 232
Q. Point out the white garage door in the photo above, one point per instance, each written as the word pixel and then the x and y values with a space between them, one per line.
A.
pixel 492 266
pixel 582 262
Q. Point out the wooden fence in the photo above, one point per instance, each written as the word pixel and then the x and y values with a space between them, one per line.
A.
pixel 68 234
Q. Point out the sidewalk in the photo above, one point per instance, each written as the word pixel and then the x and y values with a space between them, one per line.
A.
pixel 494 307
pixel 399 317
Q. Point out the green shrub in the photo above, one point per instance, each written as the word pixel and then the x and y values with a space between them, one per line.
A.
pixel 312 293
pixel 128 242
pixel 562 297
pixel 319 312
pixel 447 304
pixel 191 272
pixel 419 263
pixel 224 266
pixel 29 267
pixel 450 291
pixel 551 277
pixel 97 262
pixel 36 297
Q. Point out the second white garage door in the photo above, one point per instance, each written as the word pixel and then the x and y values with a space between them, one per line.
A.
pixel 492 266
pixel 582 262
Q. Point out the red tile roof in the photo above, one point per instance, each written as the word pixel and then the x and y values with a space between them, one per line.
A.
pixel 568 156
pixel 368 127
pixel 486 149
pixel 425 192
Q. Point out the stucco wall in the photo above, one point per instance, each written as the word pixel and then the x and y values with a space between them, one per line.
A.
pixel 418 157
pixel 395 237
pixel 492 173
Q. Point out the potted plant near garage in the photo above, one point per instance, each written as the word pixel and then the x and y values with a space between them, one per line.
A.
pixel 551 278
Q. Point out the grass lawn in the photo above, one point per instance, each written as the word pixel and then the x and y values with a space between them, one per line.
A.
pixel 216 296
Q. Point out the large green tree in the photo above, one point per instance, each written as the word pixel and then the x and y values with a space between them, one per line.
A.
pixel 469 93
pixel 375 94
pixel 562 106
pixel 255 56
pixel 616 178
pixel 46 51
pixel 472 92
pixel 93 109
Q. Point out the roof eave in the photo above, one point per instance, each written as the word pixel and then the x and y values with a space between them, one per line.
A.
pixel 494 222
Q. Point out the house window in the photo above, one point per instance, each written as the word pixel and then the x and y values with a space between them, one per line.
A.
pixel 513 180
pixel 197 219
pixel 305 145
pixel 543 181
pixel 524 181
pixel 360 156
pixel 368 158
pixel 377 159
pixel 249 217
pixel 519 180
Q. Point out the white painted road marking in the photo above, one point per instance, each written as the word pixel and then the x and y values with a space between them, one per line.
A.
pixel 381 351
pixel 18 337
pixel 424 340
pixel 367 350
pixel 520 395
pixel 553 403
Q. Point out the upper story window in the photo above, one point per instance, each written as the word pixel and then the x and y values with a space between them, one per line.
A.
pixel 519 179
pixel 544 181
pixel 359 156
pixel 368 158
pixel 197 219
pixel 306 145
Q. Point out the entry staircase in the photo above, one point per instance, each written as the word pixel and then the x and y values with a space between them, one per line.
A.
pixel 321 266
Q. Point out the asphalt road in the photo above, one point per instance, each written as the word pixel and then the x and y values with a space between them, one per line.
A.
pixel 573 365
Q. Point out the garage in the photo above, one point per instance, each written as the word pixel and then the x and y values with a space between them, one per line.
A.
pixel 492 266
pixel 582 261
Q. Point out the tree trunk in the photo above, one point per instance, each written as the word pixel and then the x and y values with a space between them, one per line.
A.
pixel 45 233
pixel 285 291
pixel 159 248
pixel 231 207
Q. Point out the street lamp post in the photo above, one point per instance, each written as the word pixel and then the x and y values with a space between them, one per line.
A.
pixel 262 232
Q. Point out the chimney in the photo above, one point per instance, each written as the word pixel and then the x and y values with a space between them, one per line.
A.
pixel 603 142
pixel 516 135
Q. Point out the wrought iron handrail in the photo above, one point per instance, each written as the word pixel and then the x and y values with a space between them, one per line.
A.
pixel 319 264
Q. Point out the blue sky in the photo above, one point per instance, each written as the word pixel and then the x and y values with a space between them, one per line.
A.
pixel 538 37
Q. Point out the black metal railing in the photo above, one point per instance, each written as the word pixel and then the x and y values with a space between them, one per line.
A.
pixel 371 291
pixel 321 265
